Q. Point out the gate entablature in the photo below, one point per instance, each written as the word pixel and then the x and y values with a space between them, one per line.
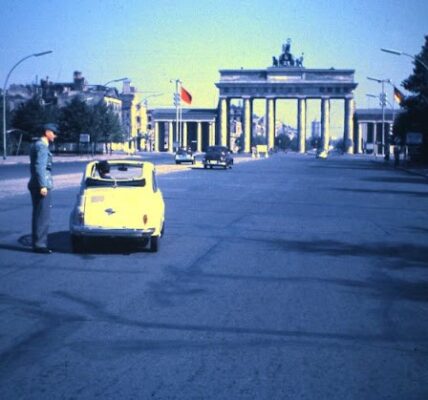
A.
pixel 286 83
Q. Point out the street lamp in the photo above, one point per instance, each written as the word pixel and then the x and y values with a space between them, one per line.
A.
pixel 115 80
pixel 382 102
pixel 402 53
pixel 4 94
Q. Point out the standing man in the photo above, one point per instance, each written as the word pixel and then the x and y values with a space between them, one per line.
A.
pixel 40 186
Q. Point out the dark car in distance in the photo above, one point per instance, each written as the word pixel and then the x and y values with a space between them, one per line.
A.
pixel 219 156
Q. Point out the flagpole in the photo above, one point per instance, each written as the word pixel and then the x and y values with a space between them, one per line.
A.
pixel 177 113
pixel 181 117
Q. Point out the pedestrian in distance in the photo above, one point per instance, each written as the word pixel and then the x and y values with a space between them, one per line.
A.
pixel 40 187
pixel 397 150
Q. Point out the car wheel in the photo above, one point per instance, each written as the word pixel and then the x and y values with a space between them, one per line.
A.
pixel 154 244
pixel 205 166
pixel 177 162
pixel 77 244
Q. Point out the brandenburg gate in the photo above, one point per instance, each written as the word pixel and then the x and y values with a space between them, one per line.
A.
pixel 286 80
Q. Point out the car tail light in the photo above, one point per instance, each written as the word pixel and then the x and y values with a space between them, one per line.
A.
pixel 145 219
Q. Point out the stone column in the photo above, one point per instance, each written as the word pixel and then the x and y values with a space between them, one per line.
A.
pixel 248 123
pixel 224 121
pixel 301 124
pixel 270 123
pixel 199 138
pixel 184 134
pixel 157 136
pixel 375 148
pixel 348 139
pixel 211 137
pixel 359 139
pixel 170 137
pixel 325 123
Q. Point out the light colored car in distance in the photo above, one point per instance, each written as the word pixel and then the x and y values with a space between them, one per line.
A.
pixel 323 154
pixel 118 199
pixel 184 155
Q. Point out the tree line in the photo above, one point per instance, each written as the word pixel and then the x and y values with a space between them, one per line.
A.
pixel 98 120
pixel 414 115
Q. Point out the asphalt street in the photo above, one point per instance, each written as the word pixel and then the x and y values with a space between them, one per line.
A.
pixel 283 278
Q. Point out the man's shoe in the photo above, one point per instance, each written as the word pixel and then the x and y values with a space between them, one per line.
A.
pixel 42 250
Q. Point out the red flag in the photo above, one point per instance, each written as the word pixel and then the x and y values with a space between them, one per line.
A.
pixel 185 96
pixel 398 96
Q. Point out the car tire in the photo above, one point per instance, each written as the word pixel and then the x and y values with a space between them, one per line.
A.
pixel 154 244
pixel 77 244
pixel 177 162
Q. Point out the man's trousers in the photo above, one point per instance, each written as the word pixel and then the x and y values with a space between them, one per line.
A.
pixel 40 218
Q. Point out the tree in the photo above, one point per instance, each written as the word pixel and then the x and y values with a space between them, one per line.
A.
pixel 105 124
pixel 414 117
pixel 32 114
pixel 75 118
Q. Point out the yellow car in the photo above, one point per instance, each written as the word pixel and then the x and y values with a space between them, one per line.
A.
pixel 118 198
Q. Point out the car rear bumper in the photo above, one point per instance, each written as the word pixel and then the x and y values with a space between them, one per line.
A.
pixel 215 162
pixel 111 232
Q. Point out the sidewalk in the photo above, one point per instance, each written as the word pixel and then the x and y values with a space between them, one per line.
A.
pixel 421 170
pixel 60 158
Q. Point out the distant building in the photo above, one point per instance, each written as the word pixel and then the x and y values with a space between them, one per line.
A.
pixel 368 127
pixel 134 116
pixel 20 94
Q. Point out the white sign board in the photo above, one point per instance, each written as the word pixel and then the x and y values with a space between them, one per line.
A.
pixel 84 138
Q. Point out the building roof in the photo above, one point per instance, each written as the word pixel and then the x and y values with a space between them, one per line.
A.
pixel 188 114
pixel 375 114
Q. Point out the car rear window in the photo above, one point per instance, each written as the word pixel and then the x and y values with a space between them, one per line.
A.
pixel 119 175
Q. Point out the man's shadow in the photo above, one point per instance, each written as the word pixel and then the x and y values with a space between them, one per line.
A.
pixel 59 242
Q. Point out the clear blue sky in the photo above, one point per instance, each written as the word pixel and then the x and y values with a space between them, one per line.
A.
pixel 152 41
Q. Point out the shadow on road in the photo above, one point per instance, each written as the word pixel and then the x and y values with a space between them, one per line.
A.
pixel 400 180
pixel 383 191
pixel 60 242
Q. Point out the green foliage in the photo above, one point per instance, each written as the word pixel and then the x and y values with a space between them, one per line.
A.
pixel 31 115
pixel 282 141
pixel 414 117
pixel 105 123
pixel 75 118
pixel 99 121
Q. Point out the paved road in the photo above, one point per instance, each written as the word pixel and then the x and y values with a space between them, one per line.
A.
pixel 285 278
pixel 18 167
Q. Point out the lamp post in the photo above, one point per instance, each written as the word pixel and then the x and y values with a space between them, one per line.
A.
pixel 115 80
pixel 383 102
pixel 4 95
pixel 402 53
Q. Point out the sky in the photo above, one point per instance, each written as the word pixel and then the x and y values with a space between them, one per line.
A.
pixel 154 41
